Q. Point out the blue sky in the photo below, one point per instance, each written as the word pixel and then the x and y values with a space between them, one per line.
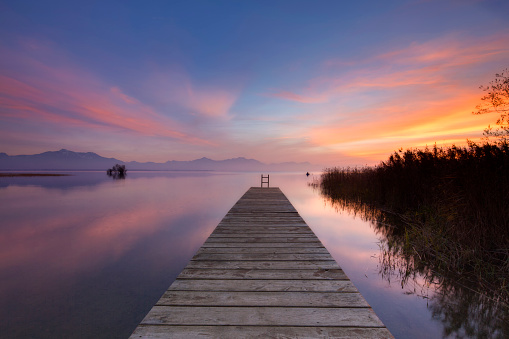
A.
pixel 330 82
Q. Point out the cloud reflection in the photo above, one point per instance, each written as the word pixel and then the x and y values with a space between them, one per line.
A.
pixel 79 229
pixel 85 249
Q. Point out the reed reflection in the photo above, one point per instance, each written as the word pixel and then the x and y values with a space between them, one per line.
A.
pixel 463 305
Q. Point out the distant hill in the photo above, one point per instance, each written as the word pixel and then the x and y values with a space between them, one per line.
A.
pixel 69 160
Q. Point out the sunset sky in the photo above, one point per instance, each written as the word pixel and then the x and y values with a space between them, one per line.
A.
pixel 329 82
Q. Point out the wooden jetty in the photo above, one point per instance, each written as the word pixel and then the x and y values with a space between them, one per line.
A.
pixel 262 273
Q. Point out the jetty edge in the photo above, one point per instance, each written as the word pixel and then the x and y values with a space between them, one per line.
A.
pixel 262 273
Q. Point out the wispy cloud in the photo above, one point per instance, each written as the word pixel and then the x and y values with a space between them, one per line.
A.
pixel 406 97
pixel 213 103
pixel 35 88
pixel 296 97
pixel 449 51
pixel 435 62
pixel 173 87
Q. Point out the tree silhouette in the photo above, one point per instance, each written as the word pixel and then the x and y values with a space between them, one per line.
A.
pixel 496 100
pixel 117 171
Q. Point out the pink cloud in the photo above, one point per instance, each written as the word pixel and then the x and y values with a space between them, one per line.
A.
pixel 295 97
pixel 408 97
pixel 448 51
pixel 325 89
pixel 33 87
pixel 360 112
pixel 127 99
pixel 213 103
pixel 422 64
pixel 175 87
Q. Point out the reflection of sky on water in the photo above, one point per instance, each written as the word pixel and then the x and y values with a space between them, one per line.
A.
pixel 354 245
pixel 398 291
pixel 72 255
pixel 88 256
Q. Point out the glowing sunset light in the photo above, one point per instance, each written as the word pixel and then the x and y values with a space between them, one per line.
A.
pixel 335 84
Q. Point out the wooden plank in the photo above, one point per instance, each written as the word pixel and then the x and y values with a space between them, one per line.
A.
pixel 228 220
pixel 264 216
pixel 263 285
pixel 256 217
pixel 262 256
pixel 246 225
pixel 262 316
pixel 272 211
pixel 264 229
pixel 271 221
pixel 206 332
pixel 262 239
pixel 261 274
pixel 253 232
pixel 264 244
pixel 267 299
pixel 281 265
pixel 253 250
pixel 263 235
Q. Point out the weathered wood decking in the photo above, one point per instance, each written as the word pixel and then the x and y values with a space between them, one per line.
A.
pixel 262 273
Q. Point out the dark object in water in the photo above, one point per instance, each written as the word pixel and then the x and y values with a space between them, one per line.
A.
pixel 117 171
pixel 307 174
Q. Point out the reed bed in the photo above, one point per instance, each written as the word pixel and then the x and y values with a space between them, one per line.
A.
pixel 452 206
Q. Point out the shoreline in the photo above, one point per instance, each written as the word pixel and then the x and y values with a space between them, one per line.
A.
pixel 4 175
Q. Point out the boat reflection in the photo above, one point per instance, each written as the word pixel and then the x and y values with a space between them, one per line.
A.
pixel 464 307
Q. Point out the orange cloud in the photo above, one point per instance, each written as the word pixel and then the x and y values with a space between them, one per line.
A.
pixel 408 97
pixel 443 122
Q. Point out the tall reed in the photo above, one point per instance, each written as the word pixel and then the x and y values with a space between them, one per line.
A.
pixel 453 202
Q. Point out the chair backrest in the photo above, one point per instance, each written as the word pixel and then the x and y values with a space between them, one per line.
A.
pixel 265 181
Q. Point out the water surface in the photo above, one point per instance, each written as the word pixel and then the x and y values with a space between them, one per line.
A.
pixel 86 256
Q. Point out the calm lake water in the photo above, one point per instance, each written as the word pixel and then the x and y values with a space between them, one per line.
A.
pixel 86 256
